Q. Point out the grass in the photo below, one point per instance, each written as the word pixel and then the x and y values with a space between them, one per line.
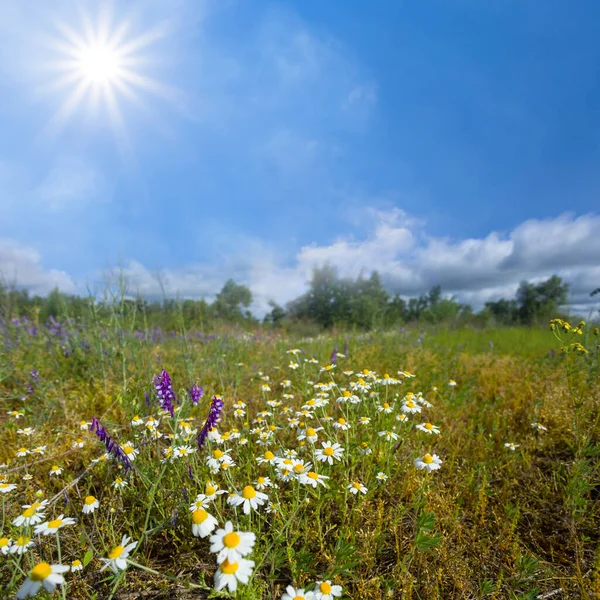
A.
pixel 490 523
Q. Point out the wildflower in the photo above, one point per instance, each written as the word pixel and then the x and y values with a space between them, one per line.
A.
pixel 401 417
pixel 22 452
pixel 312 478
pixel 511 446
pixel 364 449
pixel 429 428
pixel 428 462
pixel 385 407
pixel 218 457
pixel 539 427
pixel 293 365
pixel 17 414
pixel 263 482
pixel 42 574
pixel 78 443
pixel 164 392
pixel 231 545
pixel 130 451
pixel 137 421
pixel 26 431
pixel 381 476
pixel 216 407
pixel 4 545
pixel 292 593
pixel 249 498
pixel 182 451
pixel 90 504
pixel 76 565
pixel 329 452
pixel 21 545
pixel 229 573
pixel 50 527
pixel 364 420
pixel 111 446
pixel 6 488
pixel 326 591
pixel 452 383
pixel 83 425
pixel 310 434
pixel 410 406
pixel 55 470
pixel 39 450
pixel 355 487
pixel 196 393
pixel 342 424
pixel 119 483
pixel 212 490
pixel 406 374
pixel 203 524
pixel 30 516
pixel 117 558
pixel 286 383
pixel 27 477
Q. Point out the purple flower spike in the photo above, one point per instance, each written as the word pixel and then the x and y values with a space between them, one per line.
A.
pixel 196 392
pixel 333 358
pixel 216 407
pixel 111 446
pixel 164 391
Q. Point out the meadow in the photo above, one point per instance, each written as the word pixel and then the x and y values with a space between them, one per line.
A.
pixel 408 464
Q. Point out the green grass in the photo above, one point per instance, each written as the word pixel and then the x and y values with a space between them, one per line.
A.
pixel 491 523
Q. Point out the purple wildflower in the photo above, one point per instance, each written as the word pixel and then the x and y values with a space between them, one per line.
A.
pixel 333 357
pixel 35 374
pixel 216 407
pixel 164 391
pixel 196 392
pixel 111 446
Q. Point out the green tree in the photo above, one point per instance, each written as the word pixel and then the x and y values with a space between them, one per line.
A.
pixel 230 300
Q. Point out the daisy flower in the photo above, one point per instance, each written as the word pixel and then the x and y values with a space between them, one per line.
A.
pixel 90 504
pixel 428 462
pixel 84 425
pixel 292 593
pixel 5 488
pixel 26 431
pixel 203 524
pixel 341 424
pixel 182 451
pixel 263 482
pixel 364 449
pixel 355 487
pixel 539 427
pixel 231 545
pixel 211 490
pixel 364 420
pixel 429 428
pixel 130 451
pixel 117 558
pixel 76 565
pixel 511 445
pixel 4 545
pixel 388 435
pixel 42 574
pixel 385 407
pixel 452 383
pixel 312 478
pixel 406 374
pixel 21 545
pixel 136 421
pixel 329 452
pixel 39 450
pixel 22 452
pixel 326 591
pixel 401 417
pixel 381 476
pixel 310 434
pixel 249 498
pixel 410 406
pixel 119 483
pixel 30 516
pixel 50 527
pixel 55 470
pixel 78 443
pixel 229 573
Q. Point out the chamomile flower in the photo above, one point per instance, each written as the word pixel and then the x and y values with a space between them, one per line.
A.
pixel 55 470
pixel 229 573
pixel 539 427
pixel 5 545
pixel 381 476
pixel 182 451
pixel 365 449
pixel 203 524
pixel 309 434
pixel 406 374
pixel 90 504
pixel 313 479
pixel 26 431
pixel 130 451
pixel 401 417
pixel 385 408
pixel 22 452
pixel 6 488
pixel 511 446
pixel 117 558
pixel 341 424
pixel 329 452
pixel 119 483
pixel 137 421
pixel 292 593
pixel 428 462
pixel 231 545
pixel 212 491
pixel 452 383
pixel 388 435
pixel 428 428
pixel 410 406
pixel 78 443
pixel 50 527
pixel 267 458
pixel 39 450
pixel 21 545
pixel 355 487
pixel 325 590
pixel 42 574
pixel 364 420
pixel 76 565
pixel 249 498
pixel 263 483
pixel 30 516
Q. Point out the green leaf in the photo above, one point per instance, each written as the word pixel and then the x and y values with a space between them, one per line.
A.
pixel 88 557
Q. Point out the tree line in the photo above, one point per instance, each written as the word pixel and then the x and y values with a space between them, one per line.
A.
pixel 330 301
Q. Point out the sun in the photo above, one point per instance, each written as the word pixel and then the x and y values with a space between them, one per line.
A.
pixel 99 65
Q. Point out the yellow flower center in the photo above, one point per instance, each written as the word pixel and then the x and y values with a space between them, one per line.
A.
pixel 427 459
pixel 29 512
pixel 410 404
pixel 428 426
pixel 299 468
pixel 82 423
pixel 40 572
pixel 299 598
pixel 347 394
pixel 325 588
pixel 127 449
pixel 3 486
pixel 55 468
pixel 342 421
pixel 21 450
pixel 89 500
pixel 364 444
pixel 287 461
pixel 228 568
pixel 210 490
pixel 22 541
pixel 199 516
pixel 356 485
pixel 260 480
pixel 386 376
pixel 310 432
pixel 55 524
pixel 328 451
pixel 3 542
pixel 231 540
pixel 386 405
pixel 272 427
pixel 76 563
pixel 248 492
pixel 313 475
pixel 116 552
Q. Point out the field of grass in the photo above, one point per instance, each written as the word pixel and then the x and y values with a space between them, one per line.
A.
pixel 494 521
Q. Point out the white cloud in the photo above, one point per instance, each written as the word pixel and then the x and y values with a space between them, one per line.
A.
pixel 21 266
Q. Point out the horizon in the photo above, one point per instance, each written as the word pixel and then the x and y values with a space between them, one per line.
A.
pixel 205 141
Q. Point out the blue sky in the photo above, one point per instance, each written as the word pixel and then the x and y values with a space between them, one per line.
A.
pixel 438 142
